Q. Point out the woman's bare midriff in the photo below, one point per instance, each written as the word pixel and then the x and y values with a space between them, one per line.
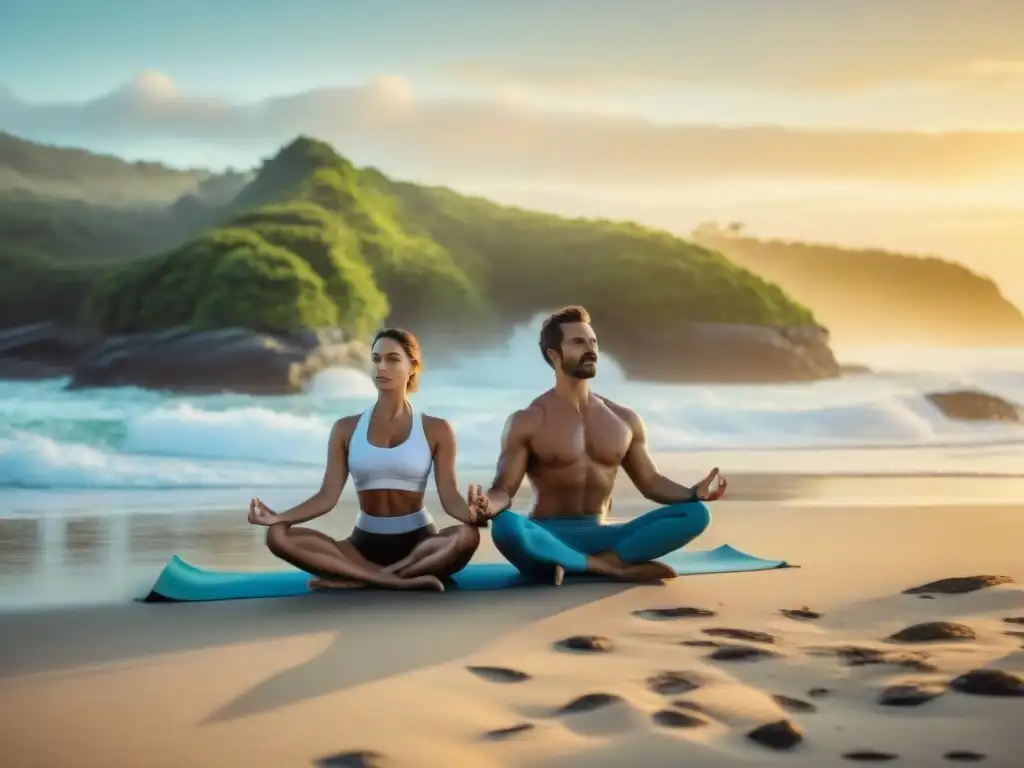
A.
pixel 390 503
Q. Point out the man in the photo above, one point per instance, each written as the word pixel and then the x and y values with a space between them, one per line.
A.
pixel 571 443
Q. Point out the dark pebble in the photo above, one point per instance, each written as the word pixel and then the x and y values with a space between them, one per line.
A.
pixel 931 631
pixel 586 643
pixel 869 756
pixel 740 653
pixel 857 656
pixel 589 702
pixel 752 636
pixel 780 735
pixel 960 585
pixel 909 695
pixel 817 693
pixel 674 683
pixel 701 643
pixel 964 756
pixel 1014 619
pixel 503 733
pixel 671 718
pixel 793 705
pixel 656 614
pixel 1014 633
pixel 805 613
pixel 689 706
pixel 499 674
pixel 989 682
pixel 926 597
pixel 362 758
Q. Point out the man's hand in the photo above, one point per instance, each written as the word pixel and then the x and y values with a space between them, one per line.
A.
pixel 708 490
pixel 261 514
pixel 480 510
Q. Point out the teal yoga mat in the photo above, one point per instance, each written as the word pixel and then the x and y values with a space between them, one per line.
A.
pixel 183 582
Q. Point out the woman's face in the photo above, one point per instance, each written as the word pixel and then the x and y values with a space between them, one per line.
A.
pixel 391 366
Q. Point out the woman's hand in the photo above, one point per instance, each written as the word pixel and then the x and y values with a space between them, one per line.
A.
pixel 261 514
pixel 479 505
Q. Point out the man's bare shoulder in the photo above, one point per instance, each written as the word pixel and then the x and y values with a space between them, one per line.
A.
pixel 628 415
pixel 526 421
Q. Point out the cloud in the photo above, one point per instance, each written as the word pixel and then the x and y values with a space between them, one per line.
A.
pixel 508 137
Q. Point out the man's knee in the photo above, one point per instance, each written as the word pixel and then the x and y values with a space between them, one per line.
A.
pixel 505 526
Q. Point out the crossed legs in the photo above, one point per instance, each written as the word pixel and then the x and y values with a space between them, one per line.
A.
pixel 339 565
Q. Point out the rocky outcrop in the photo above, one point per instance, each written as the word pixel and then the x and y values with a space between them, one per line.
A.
pixel 724 352
pixel 967 405
pixel 179 359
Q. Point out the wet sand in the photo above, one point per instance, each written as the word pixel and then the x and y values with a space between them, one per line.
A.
pixel 480 679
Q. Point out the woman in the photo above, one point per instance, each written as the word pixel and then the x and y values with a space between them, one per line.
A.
pixel 389 451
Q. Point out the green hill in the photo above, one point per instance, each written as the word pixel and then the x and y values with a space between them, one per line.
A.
pixel 871 295
pixel 312 240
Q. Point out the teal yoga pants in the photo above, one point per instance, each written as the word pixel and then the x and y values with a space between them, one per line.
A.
pixel 536 546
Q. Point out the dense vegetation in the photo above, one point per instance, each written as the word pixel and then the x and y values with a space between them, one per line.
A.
pixel 864 294
pixel 312 240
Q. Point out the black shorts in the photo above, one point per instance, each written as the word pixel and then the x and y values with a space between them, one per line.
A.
pixel 388 548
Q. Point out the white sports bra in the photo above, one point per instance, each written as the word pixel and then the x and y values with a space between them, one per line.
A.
pixel 405 467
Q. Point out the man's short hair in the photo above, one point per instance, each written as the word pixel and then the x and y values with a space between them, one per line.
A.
pixel 551 331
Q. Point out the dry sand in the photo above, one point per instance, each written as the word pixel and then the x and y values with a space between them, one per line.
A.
pixel 288 682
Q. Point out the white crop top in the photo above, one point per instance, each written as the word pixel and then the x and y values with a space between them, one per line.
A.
pixel 405 467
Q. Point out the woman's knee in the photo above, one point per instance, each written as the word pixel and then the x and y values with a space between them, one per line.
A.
pixel 467 538
pixel 698 516
pixel 277 538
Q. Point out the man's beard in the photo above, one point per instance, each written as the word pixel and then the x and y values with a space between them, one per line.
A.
pixel 584 368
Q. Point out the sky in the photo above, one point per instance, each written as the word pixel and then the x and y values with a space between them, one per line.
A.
pixel 666 111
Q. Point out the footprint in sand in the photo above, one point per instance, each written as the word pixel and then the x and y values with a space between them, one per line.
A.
pixel 500 734
pixel 1014 619
pixel 362 758
pixel 674 683
pixel 909 694
pixel 701 643
pixel 750 635
pixel 500 674
pixel 790 704
pixel 869 756
pixel 741 653
pixel 590 702
pixel 859 656
pixel 818 693
pixel 586 644
pixel 672 718
pixel 662 614
pixel 802 614
pixel 959 585
pixel 778 735
pixel 933 631
pixel 989 682
pixel 964 756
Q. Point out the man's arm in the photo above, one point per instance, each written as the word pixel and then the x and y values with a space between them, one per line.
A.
pixel 644 473
pixel 444 471
pixel 335 477
pixel 515 454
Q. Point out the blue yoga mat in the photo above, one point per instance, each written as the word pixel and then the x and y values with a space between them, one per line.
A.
pixel 183 582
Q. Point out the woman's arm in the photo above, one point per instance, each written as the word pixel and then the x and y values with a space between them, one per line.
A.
pixel 335 477
pixel 445 451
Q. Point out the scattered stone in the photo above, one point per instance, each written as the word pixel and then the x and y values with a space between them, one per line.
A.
pixel 1013 633
pixel 964 756
pixel 589 702
pixel 586 643
pixel 499 674
pixel 989 682
pixel 932 631
pixel 909 694
pixel 671 718
pixel 503 733
pixel 869 756
pixel 362 758
pixel 959 585
pixel 656 614
pixel 780 735
pixel 740 653
pixel 674 683
pixel 817 693
pixel 859 656
pixel 1014 619
pixel 790 704
pixel 701 643
pixel 749 635
pixel 926 597
pixel 690 706
pixel 974 405
pixel 805 613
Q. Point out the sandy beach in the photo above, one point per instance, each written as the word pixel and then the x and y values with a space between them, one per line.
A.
pixel 481 680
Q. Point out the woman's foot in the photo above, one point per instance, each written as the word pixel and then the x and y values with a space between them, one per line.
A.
pixel 317 583
pixel 431 583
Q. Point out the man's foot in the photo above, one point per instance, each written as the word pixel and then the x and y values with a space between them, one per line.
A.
pixel 317 583
pixel 609 564
pixel 559 575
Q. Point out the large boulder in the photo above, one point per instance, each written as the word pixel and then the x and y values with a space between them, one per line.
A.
pixel 972 405
pixel 43 350
pixel 222 360
pixel 725 352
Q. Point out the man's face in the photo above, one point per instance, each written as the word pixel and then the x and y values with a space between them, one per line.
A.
pixel 579 351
